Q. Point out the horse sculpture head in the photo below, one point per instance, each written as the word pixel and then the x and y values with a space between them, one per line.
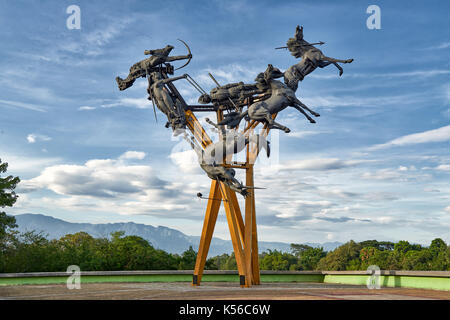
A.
pixel 272 73
pixel 299 33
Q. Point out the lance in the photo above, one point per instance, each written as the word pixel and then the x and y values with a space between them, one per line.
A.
pixel 304 45
pixel 200 196
pixel 151 95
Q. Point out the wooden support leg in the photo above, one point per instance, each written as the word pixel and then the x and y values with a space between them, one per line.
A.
pixel 237 210
pixel 248 241
pixel 255 257
pixel 234 231
pixel 209 223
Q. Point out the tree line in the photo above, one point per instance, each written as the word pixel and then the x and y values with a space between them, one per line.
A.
pixel 33 252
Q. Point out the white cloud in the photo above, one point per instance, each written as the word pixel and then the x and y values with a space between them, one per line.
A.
pixel 23 105
pixel 32 138
pixel 300 208
pixel 443 167
pixel 435 135
pixel 404 168
pixel 86 108
pixel 138 155
pixel 318 164
pixel 228 74
pixel 382 174
pixel 187 161
pixel 92 43
pixel 430 189
pixel 108 185
pixel 447 209
pixel 18 164
pixel 383 219
pixel 139 103
pixel 443 45
pixel 399 175
pixel 304 134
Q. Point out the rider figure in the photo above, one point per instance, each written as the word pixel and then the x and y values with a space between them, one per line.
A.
pixel 164 102
pixel 147 66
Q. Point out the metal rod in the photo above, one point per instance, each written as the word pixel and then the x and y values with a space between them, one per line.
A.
pixel 192 84
pixel 198 86
pixel 213 79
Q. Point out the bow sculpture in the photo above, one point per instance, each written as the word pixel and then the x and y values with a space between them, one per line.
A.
pixel 189 53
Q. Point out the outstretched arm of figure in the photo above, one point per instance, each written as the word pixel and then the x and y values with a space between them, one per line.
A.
pixel 168 80
pixel 174 58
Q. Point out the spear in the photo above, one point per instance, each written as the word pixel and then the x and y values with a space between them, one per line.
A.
pixel 151 95
pixel 309 44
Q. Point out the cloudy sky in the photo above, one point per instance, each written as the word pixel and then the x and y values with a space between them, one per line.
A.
pixel 375 166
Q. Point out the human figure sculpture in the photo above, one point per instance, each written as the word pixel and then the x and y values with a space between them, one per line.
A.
pixel 149 65
pixel 282 96
pixel 311 59
pixel 232 142
pixel 217 172
pixel 171 107
pixel 234 91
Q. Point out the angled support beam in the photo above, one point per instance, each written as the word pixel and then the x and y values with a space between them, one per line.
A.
pixel 212 211
pixel 234 232
pixel 248 240
pixel 237 210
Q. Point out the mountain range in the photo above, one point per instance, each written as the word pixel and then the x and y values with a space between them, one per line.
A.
pixel 160 237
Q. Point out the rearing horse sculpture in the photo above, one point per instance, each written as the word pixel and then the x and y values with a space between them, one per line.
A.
pixel 312 58
pixel 281 98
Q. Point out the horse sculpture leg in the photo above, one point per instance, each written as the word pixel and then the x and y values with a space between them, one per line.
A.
pixel 275 125
pixel 304 113
pixel 337 60
pixel 323 64
pixel 303 106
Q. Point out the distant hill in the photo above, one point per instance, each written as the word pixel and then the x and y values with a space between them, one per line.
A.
pixel 164 238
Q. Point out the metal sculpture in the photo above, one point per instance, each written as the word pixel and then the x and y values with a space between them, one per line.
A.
pixel 217 172
pixel 257 103
pixel 168 105
pixel 282 97
pixel 312 58
pixel 149 65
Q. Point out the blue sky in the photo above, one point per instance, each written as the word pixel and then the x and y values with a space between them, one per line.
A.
pixel 375 166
